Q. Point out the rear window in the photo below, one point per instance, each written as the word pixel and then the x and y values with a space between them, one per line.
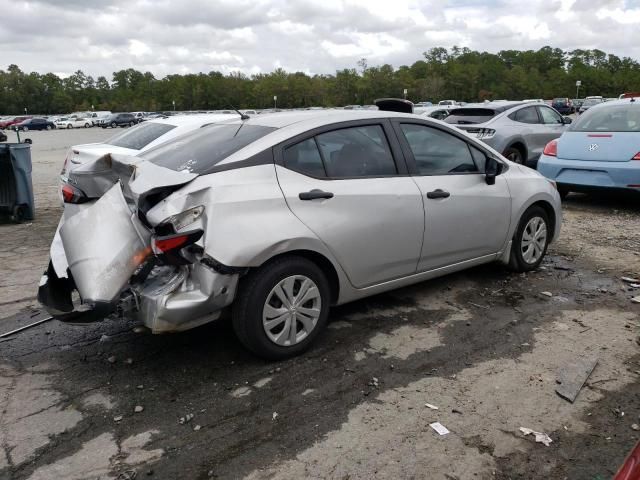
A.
pixel 462 116
pixel 139 137
pixel 199 151
pixel 614 118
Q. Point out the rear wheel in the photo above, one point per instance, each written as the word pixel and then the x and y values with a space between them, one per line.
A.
pixel 514 155
pixel 25 129
pixel 131 124
pixel 281 307
pixel 114 124
pixel 19 213
pixel 69 125
pixel 86 125
pixel 563 191
pixel 49 127
pixel 530 241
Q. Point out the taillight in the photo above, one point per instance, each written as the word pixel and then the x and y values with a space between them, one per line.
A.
pixel 168 247
pixel 636 156
pixel 551 149
pixel 71 194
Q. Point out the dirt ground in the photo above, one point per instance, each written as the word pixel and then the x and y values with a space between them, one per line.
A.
pixel 484 346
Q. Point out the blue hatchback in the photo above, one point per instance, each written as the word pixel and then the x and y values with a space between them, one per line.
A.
pixel 600 150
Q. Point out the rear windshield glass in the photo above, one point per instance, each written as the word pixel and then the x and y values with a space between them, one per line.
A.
pixel 463 116
pixel 199 151
pixel 591 102
pixel 139 137
pixel 614 118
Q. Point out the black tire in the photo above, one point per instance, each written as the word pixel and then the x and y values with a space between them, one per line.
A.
pixel 131 124
pixel 563 191
pixel 517 263
pixel 86 125
pixel 114 124
pixel 253 291
pixel 19 213
pixel 49 127
pixel 514 155
pixel 69 125
pixel 25 129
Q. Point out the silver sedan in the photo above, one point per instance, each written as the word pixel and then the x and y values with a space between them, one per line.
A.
pixel 281 216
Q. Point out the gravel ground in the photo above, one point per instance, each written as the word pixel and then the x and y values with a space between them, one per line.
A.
pixel 483 346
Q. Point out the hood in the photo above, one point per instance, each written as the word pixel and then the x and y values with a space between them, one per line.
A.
pixel 598 146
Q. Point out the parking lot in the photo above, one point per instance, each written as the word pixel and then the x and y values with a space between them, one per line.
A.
pixel 483 346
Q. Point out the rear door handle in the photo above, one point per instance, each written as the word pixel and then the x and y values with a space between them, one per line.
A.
pixel 438 194
pixel 313 194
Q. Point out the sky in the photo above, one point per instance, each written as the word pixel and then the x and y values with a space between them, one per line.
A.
pixel 312 36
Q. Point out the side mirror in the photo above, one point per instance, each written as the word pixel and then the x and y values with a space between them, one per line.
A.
pixel 492 169
pixel 567 120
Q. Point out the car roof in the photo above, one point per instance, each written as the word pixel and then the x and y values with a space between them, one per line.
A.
pixel 183 120
pixel 612 103
pixel 497 107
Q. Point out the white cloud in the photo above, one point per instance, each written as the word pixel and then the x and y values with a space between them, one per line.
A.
pixel 316 36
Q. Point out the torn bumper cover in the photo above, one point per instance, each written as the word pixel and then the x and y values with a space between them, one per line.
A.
pixel 102 251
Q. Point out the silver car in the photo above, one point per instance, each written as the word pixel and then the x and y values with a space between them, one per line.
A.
pixel 282 216
pixel 518 130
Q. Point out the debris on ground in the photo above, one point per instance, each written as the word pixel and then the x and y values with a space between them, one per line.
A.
pixel 186 419
pixel 138 408
pixel 438 427
pixel 635 299
pixel 540 437
pixel 196 428
pixel 274 416
pixel 635 427
pixel 373 382
pixel 546 294
pixel 630 279
pixel 432 407
pixel 572 377
pixel 111 359
pixel 117 418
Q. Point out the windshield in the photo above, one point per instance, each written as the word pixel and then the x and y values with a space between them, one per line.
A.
pixel 139 137
pixel 591 102
pixel 463 116
pixel 559 100
pixel 199 151
pixel 614 118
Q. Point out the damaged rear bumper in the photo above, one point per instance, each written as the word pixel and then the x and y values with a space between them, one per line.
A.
pixel 102 265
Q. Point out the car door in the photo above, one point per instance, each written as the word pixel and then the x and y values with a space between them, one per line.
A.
pixel 552 123
pixel 350 186
pixel 465 218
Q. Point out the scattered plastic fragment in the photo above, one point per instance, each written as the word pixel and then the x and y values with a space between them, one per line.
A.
pixel 438 427
pixel 540 437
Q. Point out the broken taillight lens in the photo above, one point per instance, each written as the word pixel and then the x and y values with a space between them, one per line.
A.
pixel 168 247
pixel 71 194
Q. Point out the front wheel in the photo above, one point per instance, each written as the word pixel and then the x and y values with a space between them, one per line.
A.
pixel 114 124
pixel 530 241
pixel 131 124
pixel 49 127
pixel 69 126
pixel 281 307
pixel 25 129
pixel 86 125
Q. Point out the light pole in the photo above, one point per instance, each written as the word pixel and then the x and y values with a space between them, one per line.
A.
pixel 405 93
pixel 174 105
pixel 25 110
pixel 275 102
pixel 578 84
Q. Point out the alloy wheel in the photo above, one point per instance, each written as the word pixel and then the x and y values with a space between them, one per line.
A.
pixel 534 240
pixel 292 310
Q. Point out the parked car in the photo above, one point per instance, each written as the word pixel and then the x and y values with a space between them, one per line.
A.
pixel 134 141
pixel 34 124
pixel 96 116
pixel 588 103
pixel 577 103
pixel 119 120
pixel 600 150
pixel 564 106
pixel 77 122
pixel 629 95
pixel 12 121
pixel 439 112
pixel 447 102
pixel 281 216
pixel 518 130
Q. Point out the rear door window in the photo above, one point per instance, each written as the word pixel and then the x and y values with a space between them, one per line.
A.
pixel 356 152
pixel 437 152
pixel 304 157
pixel 526 115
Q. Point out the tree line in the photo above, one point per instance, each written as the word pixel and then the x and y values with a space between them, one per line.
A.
pixel 456 73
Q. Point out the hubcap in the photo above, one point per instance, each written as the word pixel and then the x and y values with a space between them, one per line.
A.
pixel 534 240
pixel 292 310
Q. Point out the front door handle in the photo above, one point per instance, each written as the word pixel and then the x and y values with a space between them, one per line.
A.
pixel 313 194
pixel 438 194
